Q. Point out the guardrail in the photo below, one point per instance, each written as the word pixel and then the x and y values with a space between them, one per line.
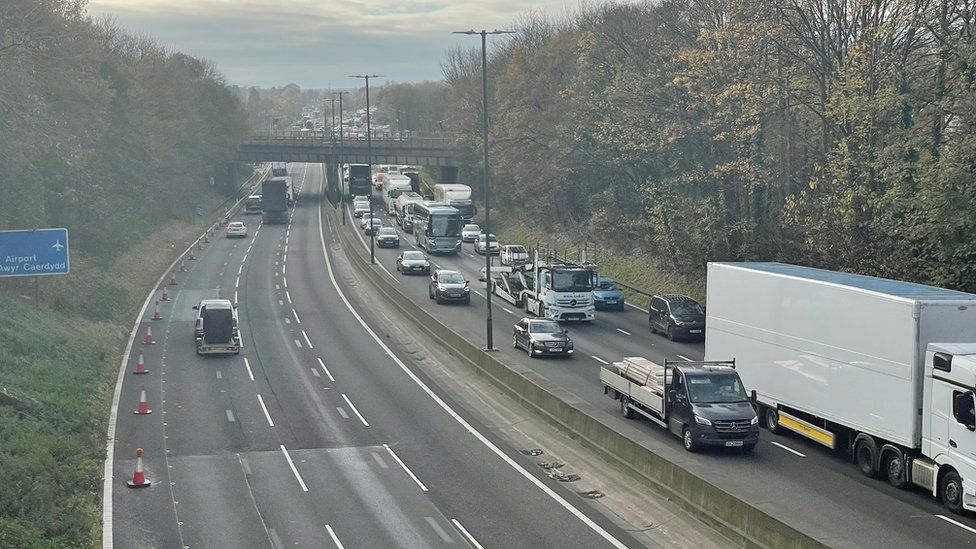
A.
pixel 353 140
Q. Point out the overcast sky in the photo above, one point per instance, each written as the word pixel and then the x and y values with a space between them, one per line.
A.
pixel 316 44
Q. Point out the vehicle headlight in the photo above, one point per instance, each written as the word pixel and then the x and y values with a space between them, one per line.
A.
pixel 426 263
pixel 702 421
pixel 466 289
pixel 754 420
pixel 441 288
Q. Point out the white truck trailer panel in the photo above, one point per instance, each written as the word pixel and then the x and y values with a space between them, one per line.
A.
pixel 847 348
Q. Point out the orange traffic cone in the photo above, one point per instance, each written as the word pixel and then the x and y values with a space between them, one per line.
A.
pixel 206 236
pixel 139 477
pixel 182 266
pixel 191 257
pixel 172 279
pixel 156 315
pixel 143 408
pixel 141 365
pixel 165 294
pixel 149 337
pixel 199 247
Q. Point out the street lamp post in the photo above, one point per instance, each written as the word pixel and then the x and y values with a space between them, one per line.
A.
pixel 342 201
pixel 489 344
pixel 369 162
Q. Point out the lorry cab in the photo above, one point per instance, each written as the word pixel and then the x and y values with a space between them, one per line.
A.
pixel 949 426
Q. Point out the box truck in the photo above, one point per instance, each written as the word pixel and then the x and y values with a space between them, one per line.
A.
pixel 882 369
pixel 458 196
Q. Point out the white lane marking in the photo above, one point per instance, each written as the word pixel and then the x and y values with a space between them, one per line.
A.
pixel 625 332
pixel 404 465
pixel 235 296
pixel 298 343
pixel 219 375
pixel 440 531
pixel 959 524
pixel 635 306
pixel 284 268
pixel 284 280
pixel 230 416
pixel 355 410
pixel 342 412
pixel 467 534
pixel 471 255
pixel 685 358
pixel 239 269
pixel 288 295
pixel 477 292
pixel 787 448
pixel 326 370
pixel 285 258
pixel 450 411
pixel 248 366
pixel 600 360
pixel 334 538
pixel 315 372
pixel 306 340
pixel 379 460
pixel 245 258
pixel 293 468
pixel 248 249
pixel 298 320
pixel 265 409
pixel 507 310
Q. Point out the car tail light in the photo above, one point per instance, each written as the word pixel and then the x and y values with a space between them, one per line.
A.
pixel 199 324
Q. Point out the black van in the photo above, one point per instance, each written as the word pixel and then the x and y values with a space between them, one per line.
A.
pixel 676 316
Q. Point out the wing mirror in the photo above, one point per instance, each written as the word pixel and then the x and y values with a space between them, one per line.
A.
pixel 195 308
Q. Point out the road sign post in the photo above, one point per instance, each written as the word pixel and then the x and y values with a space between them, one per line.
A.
pixel 39 252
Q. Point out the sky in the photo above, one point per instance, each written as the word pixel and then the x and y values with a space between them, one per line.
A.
pixel 317 44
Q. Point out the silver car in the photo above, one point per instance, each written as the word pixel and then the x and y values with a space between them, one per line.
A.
pixel 470 232
pixel 413 262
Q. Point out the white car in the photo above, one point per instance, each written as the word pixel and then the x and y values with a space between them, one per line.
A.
pixel 482 248
pixel 514 255
pixel 470 232
pixel 236 230
pixel 360 209
pixel 366 217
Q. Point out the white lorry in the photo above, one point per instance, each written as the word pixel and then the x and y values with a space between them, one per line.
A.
pixel 393 186
pixel 559 290
pixel 704 403
pixel 883 369
pixel 458 196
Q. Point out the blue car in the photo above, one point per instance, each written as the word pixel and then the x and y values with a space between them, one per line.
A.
pixel 607 296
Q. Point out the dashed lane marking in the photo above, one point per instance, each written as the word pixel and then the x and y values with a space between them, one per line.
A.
pixel 787 448
pixel 324 369
pixel 247 365
pixel 294 469
pixel 355 410
pixel 600 360
pixel 265 410
pixel 307 340
pixel 404 465
pixel 625 332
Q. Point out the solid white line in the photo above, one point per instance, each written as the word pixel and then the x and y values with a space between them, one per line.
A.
pixel 450 411
pixel 477 292
pixel 288 295
pixel 248 366
pixel 627 303
pixel 959 524
pixel 685 358
pixel 600 360
pixel 326 370
pixel 467 534
pixel 404 465
pixel 265 408
pixel 293 468
pixel 787 448
pixel 625 332
pixel 306 340
pixel 355 410
pixel 334 538
pixel 507 310
pixel 298 320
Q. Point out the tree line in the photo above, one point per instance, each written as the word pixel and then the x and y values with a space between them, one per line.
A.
pixel 831 133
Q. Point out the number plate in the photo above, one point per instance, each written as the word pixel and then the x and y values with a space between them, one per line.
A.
pixel 694 331
pixel 733 443
pixel 611 302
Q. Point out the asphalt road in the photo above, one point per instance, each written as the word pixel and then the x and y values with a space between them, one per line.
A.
pixel 318 434
pixel 789 477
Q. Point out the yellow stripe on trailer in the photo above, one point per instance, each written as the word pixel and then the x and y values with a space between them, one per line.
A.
pixel 808 430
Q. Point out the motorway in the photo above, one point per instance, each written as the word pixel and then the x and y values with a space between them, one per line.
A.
pixel 795 480
pixel 319 434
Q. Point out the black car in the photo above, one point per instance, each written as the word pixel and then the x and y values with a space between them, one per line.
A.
pixel 449 286
pixel 387 237
pixel 542 337
pixel 676 316
pixel 413 262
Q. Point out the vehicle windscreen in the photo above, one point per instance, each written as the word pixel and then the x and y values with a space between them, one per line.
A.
pixel 415 256
pixel 544 328
pixel 444 225
pixel 576 280
pixel 715 388
pixel 686 308
pixel 388 231
pixel 605 283
pixel 472 228
pixel 450 278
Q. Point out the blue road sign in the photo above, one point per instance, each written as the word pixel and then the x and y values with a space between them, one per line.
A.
pixel 34 253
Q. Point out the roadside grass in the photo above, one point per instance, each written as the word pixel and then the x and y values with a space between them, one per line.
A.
pixel 58 364
pixel 631 267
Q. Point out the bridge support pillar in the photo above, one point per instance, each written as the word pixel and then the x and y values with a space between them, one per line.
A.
pixel 332 188
pixel 448 174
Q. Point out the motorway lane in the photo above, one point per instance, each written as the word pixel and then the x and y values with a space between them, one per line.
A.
pixel 788 476
pixel 340 447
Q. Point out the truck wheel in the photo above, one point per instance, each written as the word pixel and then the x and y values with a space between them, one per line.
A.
pixel 624 410
pixel 866 456
pixel 771 417
pixel 950 491
pixel 893 465
pixel 688 440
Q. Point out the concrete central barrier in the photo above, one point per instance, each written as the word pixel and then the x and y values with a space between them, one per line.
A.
pixel 734 518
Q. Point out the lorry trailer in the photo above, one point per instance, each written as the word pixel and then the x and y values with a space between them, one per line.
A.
pixel 274 200
pixel 882 369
